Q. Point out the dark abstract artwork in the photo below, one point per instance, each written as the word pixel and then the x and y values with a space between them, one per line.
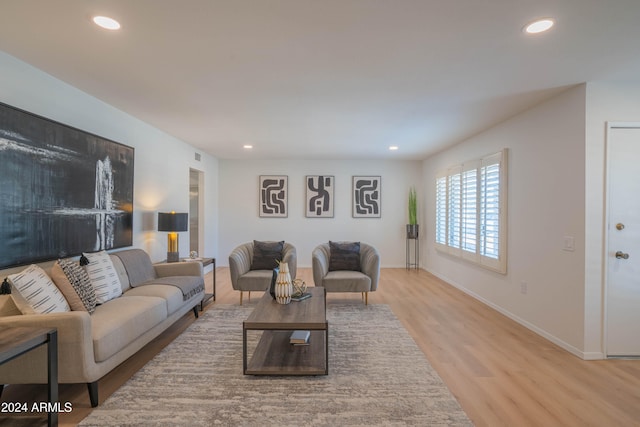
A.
pixel 62 191
pixel 366 197
pixel 273 196
pixel 319 201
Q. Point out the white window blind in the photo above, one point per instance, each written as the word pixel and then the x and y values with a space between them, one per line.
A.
pixel 471 211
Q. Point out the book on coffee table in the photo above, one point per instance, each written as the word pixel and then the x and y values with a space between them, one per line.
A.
pixel 299 337
pixel 301 297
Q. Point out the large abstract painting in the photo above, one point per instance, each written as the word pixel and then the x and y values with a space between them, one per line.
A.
pixel 319 200
pixel 62 191
pixel 366 197
pixel 273 196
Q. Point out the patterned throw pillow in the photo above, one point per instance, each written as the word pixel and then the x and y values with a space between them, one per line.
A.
pixel 266 255
pixel 344 256
pixel 75 284
pixel 104 277
pixel 37 293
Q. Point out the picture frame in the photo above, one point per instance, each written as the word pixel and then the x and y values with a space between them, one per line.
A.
pixel 65 191
pixel 273 197
pixel 366 197
pixel 319 198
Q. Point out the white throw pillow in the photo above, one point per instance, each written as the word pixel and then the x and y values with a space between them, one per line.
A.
pixel 37 293
pixel 104 277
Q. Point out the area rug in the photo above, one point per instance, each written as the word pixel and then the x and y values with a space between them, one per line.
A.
pixel 377 377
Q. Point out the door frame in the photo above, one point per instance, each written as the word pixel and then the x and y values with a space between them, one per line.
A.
pixel 610 126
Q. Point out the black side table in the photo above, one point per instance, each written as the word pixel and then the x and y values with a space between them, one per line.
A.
pixel 17 341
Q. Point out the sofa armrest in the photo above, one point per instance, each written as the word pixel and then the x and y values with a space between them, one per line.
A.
pixel 320 264
pixel 186 268
pixel 75 349
pixel 370 264
pixel 240 262
pixel 290 256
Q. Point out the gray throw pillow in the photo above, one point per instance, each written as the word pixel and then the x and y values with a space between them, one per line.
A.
pixel 266 255
pixel 344 256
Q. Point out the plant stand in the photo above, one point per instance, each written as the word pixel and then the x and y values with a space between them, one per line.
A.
pixel 413 236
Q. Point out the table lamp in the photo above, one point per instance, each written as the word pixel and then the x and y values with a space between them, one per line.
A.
pixel 173 223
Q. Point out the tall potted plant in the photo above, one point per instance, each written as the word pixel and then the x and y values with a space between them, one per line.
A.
pixel 412 227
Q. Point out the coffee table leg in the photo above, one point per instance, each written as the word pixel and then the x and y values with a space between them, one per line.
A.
pixel 244 350
pixel 52 376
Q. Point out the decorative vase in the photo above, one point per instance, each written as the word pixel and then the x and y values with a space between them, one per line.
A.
pixel 284 288
pixel 412 231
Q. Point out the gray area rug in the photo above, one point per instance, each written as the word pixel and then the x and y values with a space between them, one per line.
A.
pixel 377 376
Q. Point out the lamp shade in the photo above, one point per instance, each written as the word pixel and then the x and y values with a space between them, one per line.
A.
pixel 171 221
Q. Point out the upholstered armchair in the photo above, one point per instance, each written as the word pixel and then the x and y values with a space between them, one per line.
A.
pixel 343 267
pixel 251 264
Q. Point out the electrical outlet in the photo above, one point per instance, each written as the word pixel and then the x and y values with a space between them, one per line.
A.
pixel 523 287
pixel 569 244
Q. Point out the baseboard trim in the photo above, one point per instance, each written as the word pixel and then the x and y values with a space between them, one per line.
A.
pixel 543 333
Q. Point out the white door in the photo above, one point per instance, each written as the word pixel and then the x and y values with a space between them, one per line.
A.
pixel 623 252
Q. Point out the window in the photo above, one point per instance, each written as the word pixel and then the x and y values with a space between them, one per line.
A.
pixel 471 211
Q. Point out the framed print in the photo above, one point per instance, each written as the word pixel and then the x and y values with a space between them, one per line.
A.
pixel 64 191
pixel 319 200
pixel 273 196
pixel 366 197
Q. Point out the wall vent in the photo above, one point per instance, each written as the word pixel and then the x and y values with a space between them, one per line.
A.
pixel 198 157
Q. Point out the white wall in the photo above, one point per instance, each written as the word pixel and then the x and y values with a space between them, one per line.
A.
pixel 545 203
pixel 162 162
pixel 606 102
pixel 239 206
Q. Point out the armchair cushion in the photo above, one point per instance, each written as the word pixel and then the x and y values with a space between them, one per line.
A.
pixel 266 255
pixel 344 256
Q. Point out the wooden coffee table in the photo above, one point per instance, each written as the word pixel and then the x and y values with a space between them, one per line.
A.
pixel 274 355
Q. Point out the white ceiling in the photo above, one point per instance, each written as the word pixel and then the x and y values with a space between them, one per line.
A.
pixel 324 79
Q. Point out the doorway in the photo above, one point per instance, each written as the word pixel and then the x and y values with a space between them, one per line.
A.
pixel 623 241
pixel 196 206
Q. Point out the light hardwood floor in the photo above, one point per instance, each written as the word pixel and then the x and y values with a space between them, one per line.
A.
pixel 501 373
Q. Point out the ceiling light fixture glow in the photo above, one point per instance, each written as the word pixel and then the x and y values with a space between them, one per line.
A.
pixel 539 26
pixel 106 22
pixel 247 147
pixel 393 147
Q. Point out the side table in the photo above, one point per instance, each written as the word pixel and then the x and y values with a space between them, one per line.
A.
pixel 17 341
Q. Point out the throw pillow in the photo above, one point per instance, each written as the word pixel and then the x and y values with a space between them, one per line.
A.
pixel 73 281
pixel 37 293
pixel 344 256
pixel 103 276
pixel 266 255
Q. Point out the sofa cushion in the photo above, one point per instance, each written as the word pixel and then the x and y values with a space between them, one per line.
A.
pixel 266 255
pixel 104 276
pixel 346 281
pixel 75 285
pixel 121 321
pixel 344 256
pixel 36 292
pixel 255 280
pixel 171 294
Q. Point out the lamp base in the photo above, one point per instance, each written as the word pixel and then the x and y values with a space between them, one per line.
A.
pixel 173 257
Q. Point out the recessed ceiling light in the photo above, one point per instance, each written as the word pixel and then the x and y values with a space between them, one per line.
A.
pixel 247 146
pixel 106 22
pixel 539 26
pixel 393 147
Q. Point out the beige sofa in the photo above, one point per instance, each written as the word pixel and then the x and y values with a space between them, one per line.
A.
pixel 91 345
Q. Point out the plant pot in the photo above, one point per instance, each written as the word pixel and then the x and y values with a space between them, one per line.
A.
pixel 412 231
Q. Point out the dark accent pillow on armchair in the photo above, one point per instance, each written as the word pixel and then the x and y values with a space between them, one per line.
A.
pixel 344 256
pixel 266 255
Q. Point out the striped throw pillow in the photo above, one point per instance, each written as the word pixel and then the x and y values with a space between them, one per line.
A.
pixel 104 277
pixel 37 291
